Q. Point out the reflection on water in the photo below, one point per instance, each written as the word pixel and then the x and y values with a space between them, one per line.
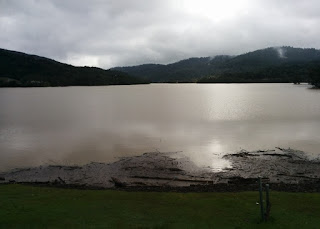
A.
pixel 77 125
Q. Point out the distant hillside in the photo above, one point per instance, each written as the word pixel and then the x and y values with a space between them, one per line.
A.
pixel 281 64
pixel 20 69
pixel 188 70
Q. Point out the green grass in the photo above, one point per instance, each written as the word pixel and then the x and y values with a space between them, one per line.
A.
pixel 42 207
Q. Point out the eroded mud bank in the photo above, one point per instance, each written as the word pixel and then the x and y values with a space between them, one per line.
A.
pixel 284 169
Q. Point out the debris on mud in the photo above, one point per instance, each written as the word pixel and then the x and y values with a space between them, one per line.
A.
pixel 283 169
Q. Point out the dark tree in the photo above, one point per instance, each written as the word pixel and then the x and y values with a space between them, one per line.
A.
pixel 314 74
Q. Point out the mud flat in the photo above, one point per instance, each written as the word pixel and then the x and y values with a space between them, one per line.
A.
pixel 283 169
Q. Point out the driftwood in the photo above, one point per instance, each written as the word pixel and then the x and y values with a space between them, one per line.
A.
pixel 61 181
pixel 118 183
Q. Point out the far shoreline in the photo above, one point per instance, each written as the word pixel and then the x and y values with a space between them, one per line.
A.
pixel 154 83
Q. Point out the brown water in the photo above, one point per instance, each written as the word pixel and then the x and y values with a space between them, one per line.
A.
pixel 77 125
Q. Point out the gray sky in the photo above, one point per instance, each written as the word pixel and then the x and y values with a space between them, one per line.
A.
pixel 109 33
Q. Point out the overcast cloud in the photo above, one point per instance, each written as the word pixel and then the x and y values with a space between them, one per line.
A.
pixel 109 33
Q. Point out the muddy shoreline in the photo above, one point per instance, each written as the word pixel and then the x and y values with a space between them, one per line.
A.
pixel 284 169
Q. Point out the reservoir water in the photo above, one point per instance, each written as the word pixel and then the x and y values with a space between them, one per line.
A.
pixel 78 125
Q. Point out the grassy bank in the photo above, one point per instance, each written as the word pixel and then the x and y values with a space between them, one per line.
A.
pixel 42 207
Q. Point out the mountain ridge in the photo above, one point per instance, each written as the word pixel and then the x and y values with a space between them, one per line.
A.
pixel 194 69
pixel 18 69
pixel 273 64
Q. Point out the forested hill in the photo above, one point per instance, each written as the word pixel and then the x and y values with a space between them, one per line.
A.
pixel 183 71
pixel 281 64
pixel 20 69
